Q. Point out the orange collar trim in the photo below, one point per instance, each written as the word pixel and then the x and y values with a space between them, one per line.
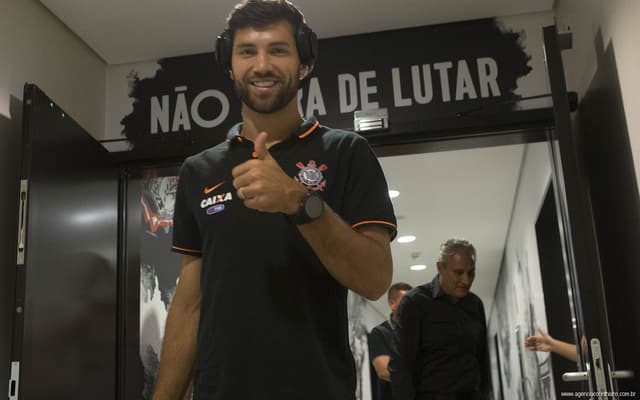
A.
pixel 309 131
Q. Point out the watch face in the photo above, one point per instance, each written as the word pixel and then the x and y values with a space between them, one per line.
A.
pixel 313 205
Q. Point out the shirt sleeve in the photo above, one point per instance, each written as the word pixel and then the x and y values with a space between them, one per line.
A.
pixel 367 198
pixel 406 338
pixel 186 233
pixel 377 344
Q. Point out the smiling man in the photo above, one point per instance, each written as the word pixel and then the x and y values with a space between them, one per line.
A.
pixel 274 225
pixel 440 337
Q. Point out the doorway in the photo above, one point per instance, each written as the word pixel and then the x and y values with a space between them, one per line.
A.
pixel 491 196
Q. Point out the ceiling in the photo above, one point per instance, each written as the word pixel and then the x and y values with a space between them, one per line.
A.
pixel 463 193
pixel 125 31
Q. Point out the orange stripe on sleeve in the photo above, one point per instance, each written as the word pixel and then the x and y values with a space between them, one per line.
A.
pixel 181 249
pixel 374 222
pixel 393 232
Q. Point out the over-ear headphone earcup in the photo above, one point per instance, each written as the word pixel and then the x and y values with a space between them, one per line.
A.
pixel 307 43
pixel 223 50
pixel 313 44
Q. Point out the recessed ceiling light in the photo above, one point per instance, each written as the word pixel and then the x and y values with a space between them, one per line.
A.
pixel 393 194
pixel 418 267
pixel 406 239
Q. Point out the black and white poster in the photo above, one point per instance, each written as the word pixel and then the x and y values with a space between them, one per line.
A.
pixel 519 307
pixel 159 270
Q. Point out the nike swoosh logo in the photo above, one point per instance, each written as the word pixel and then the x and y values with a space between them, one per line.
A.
pixel 208 190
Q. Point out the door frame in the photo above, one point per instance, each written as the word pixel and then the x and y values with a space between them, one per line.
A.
pixel 583 267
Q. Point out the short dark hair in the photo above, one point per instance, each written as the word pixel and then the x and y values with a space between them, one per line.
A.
pixel 397 287
pixel 262 13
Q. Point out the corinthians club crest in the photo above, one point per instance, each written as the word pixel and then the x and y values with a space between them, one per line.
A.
pixel 311 176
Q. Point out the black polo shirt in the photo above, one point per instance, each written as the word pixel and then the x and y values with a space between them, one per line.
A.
pixel 273 322
pixel 380 342
pixel 440 347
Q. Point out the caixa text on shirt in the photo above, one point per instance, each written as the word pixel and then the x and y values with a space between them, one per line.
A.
pixel 414 85
pixel 215 199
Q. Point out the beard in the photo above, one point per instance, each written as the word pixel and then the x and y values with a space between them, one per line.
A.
pixel 268 103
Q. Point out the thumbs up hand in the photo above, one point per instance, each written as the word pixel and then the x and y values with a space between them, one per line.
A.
pixel 263 185
pixel 260 146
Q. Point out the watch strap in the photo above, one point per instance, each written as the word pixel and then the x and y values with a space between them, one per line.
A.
pixel 301 216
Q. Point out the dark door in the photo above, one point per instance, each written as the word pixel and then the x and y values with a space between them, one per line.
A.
pixel 64 341
pixel 579 238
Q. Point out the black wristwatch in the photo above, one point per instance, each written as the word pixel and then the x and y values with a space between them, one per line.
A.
pixel 310 209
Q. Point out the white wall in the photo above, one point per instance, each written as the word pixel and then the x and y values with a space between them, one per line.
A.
pixel 118 102
pixel 618 21
pixel 519 297
pixel 36 47
pixel 363 317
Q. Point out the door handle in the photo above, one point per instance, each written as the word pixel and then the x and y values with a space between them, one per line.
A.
pixel 598 365
pixel 14 380
pixel 22 221
pixel 622 374
pixel 578 376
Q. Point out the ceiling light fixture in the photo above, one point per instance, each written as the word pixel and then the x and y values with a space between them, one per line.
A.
pixel 393 194
pixel 418 267
pixel 406 239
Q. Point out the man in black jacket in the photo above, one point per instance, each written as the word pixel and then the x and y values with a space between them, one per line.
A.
pixel 440 350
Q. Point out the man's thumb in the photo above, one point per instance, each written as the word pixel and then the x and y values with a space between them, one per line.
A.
pixel 260 146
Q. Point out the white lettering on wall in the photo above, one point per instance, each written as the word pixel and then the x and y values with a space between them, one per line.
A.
pixel 443 69
pixel 347 93
pixel 366 90
pixel 465 87
pixel 418 94
pixel 355 91
pixel 421 85
pixel 314 100
pixel 398 100
pixel 160 114
pixel 488 76
pixel 464 83
pixel 195 108
pixel 183 114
